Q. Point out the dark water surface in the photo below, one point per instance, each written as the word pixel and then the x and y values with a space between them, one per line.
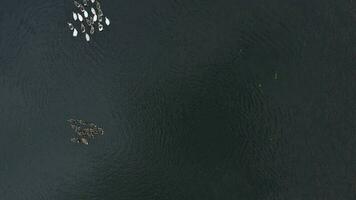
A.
pixel 222 100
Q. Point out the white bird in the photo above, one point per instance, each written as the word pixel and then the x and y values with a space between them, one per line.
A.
pixel 93 11
pixel 100 12
pixel 92 29
pixel 75 17
pixel 77 4
pixel 92 18
pixel 85 14
pixel 107 21
pixel 75 33
pixel 84 141
pixel 87 37
pixel 80 17
pixel 82 27
pixel 101 27
pixel 70 25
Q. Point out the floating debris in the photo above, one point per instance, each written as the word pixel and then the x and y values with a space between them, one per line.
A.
pixel 275 76
pixel 84 130
pixel 86 16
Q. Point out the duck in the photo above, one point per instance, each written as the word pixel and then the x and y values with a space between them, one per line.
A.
pixel 84 141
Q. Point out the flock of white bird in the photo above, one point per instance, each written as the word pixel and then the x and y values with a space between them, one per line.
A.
pixel 87 22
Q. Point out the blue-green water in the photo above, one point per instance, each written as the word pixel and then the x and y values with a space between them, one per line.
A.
pixel 251 100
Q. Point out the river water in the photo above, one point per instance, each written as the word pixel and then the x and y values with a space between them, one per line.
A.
pixel 198 99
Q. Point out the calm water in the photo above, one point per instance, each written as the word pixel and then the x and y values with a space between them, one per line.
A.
pixel 198 99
